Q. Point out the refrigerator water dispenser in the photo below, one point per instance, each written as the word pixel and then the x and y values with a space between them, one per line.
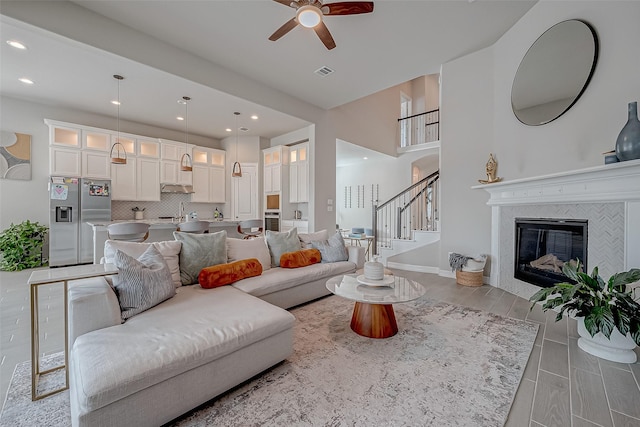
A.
pixel 63 214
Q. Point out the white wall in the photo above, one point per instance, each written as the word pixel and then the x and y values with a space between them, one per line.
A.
pixel 466 140
pixel 477 117
pixel 20 200
pixel 578 138
pixel 391 176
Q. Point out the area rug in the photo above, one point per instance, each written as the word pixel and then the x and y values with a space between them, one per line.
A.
pixel 448 365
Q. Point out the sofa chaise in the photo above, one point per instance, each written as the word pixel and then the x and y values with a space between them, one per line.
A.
pixel 188 349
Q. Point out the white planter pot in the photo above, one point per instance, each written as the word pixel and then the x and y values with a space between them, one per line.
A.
pixel 617 348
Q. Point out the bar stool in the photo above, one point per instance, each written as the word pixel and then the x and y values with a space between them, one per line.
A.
pixel 250 228
pixel 194 227
pixel 128 231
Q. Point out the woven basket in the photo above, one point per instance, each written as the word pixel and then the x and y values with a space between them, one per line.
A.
pixel 469 278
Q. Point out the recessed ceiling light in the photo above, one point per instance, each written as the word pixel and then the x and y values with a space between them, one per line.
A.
pixel 115 102
pixel 180 118
pixel 365 158
pixel 254 117
pixel 244 129
pixel 228 129
pixel 26 80
pixel 16 44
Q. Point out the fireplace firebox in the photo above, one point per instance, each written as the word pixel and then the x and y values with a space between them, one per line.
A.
pixel 544 245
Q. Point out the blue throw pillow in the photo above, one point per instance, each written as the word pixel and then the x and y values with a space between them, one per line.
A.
pixel 332 250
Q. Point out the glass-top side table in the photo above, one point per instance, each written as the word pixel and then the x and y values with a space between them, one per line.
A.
pixel 47 277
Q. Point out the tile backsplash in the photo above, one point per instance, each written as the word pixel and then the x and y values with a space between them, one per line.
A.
pixel 167 206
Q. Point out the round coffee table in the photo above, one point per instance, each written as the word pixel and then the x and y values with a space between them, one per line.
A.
pixel 373 314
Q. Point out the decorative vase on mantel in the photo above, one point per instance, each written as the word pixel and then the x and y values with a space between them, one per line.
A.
pixel 628 142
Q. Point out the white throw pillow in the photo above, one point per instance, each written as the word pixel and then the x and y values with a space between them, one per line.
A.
pixel 238 249
pixel 141 283
pixel 279 243
pixel 170 251
pixel 307 238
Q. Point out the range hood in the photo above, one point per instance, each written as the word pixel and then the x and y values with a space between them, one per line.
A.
pixel 176 188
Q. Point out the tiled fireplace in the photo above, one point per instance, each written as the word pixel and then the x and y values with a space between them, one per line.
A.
pixel 606 197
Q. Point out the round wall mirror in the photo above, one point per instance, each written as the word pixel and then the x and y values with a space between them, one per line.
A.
pixel 554 72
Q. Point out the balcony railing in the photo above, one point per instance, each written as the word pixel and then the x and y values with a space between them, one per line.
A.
pixel 419 128
pixel 415 208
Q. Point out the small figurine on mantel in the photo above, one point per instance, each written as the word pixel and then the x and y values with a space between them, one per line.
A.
pixel 492 170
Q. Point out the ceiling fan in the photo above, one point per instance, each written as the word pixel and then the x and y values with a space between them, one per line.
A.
pixel 309 14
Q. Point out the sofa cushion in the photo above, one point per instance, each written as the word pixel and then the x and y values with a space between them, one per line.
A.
pixel 332 250
pixel 301 258
pixel 200 251
pixel 141 283
pixel 280 243
pixel 170 251
pixel 189 330
pixel 279 279
pixel 238 249
pixel 307 238
pixel 225 274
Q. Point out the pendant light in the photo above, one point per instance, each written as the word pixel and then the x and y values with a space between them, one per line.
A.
pixel 186 165
pixel 118 153
pixel 236 172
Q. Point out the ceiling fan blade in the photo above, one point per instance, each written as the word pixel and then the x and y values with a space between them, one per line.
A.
pixel 290 3
pixel 323 32
pixel 288 26
pixel 347 8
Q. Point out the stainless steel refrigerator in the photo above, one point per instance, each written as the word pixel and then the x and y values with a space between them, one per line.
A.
pixel 72 203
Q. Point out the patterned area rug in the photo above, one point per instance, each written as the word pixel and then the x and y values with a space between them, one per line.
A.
pixel 448 365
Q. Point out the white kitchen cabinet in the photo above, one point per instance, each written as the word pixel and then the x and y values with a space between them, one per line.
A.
pixel 170 154
pixel 96 140
pixel 96 164
pixel 123 180
pixel 299 173
pixel 301 225
pixel 208 184
pixel 147 179
pixel 65 162
pixel 62 135
pixel 148 148
pixel 273 160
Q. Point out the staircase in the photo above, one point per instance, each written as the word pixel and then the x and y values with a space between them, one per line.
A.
pixel 408 221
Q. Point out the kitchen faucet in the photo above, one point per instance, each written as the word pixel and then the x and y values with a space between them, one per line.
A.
pixel 181 211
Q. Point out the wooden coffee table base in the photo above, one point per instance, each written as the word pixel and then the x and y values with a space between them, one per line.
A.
pixel 374 320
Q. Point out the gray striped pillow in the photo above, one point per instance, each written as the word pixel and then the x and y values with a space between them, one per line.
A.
pixel 141 283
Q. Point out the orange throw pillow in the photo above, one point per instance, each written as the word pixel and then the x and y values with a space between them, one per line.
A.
pixel 225 274
pixel 300 258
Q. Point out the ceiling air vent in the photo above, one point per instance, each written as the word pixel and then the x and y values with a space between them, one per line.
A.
pixel 323 71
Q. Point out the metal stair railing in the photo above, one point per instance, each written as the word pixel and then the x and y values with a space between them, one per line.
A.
pixel 415 208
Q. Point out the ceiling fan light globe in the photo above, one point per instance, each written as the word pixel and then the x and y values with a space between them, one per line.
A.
pixel 308 16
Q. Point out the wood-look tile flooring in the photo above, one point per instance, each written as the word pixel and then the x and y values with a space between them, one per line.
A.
pixel 562 385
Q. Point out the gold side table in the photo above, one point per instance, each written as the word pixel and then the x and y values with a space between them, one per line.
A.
pixel 47 277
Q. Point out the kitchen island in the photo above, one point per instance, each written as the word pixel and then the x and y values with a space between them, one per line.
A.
pixel 159 230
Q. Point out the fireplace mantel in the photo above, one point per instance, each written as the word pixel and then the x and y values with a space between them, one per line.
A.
pixel 614 182
pixel 607 196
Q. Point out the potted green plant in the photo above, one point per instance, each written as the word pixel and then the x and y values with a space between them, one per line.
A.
pixel 21 246
pixel 608 314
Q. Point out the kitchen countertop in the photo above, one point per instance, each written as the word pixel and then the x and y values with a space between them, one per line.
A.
pixel 166 223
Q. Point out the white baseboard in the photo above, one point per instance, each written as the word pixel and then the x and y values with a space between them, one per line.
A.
pixel 411 267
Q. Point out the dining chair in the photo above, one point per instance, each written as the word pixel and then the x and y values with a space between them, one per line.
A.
pixel 128 231
pixel 250 228
pixel 195 227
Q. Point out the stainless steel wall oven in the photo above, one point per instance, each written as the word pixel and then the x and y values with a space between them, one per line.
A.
pixel 272 221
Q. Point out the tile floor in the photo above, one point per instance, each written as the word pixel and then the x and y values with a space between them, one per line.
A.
pixel 562 385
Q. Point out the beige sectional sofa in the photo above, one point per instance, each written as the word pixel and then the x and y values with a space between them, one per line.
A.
pixel 186 350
